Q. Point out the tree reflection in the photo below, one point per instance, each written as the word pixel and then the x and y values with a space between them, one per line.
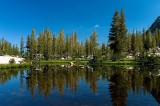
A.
pixel 118 89
pixel 56 79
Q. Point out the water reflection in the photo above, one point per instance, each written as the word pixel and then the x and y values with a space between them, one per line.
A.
pixel 122 80
pixel 60 78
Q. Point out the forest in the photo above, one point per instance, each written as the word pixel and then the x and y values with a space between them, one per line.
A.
pixel 48 45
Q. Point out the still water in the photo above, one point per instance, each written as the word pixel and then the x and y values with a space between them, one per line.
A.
pixel 80 86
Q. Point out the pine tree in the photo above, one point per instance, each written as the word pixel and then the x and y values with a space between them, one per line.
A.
pixel 144 37
pixel 40 45
pixel 123 30
pixel 54 45
pixel 103 49
pixel 149 40
pixel 33 46
pixel 93 43
pixel 158 43
pixel 81 49
pixel 75 44
pixel 137 40
pixel 22 47
pixel 115 40
pixel 28 46
pixel 87 48
pixel 154 42
pixel 61 44
pixel 133 43
pixel 141 45
pixel 67 45
pixel 156 37
pixel 48 38
pixel 129 43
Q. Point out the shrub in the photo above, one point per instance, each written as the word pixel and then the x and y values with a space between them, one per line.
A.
pixel 12 61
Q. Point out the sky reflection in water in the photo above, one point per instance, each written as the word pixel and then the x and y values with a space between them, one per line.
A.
pixel 56 85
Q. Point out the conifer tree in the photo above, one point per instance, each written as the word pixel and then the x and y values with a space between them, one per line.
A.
pixel 75 44
pixel 103 49
pixel 67 45
pixel 144 36
pixel 137 40
pixel 40 42
pixel 54 45
pixel 22 46
pixel 133 43
pixel 93 43
pixel 128 43
pixel 141 46
pixel 123 30
pixel 115 40
pixel 154 42
pixel 87 48
pixel 149 40
pixel 61 43
pixel 28 46
pixel 33 45
pixel 48 37
pixel 156 37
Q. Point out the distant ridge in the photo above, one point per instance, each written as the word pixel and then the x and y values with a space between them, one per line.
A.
pixel 155 25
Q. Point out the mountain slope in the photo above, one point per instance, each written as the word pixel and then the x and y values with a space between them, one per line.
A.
pixel 155 25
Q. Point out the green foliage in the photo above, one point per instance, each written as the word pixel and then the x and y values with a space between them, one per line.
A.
pixel 61 44
pixel 40 45
pixel 22 47
pixel 87 48
pixel 149 40
pixel 117 35
pixel 148 59
pixel 93 43
pixel 12 61
pixel 7 48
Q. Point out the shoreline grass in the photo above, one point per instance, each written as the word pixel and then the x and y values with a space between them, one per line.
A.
pixel 63 62
pixel 8 66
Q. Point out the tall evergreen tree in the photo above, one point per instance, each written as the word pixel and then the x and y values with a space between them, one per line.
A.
pixel 141 46
pixel 67 45
pixel 149 40
pixel 115 40
pixel 93 43
pixel 157 37
pixel 103 49
pixel 22 47
pixel 137 40
pixel 48 38
pixel 28 46
pixel 87 48
pixel 129 42
pixel 54 45
pixel 75 44
pixel 61 43
pixel 123 30
pixel 133 43
pixel 33 45
pixel 154 42
pixel 40 45
pixel 144 37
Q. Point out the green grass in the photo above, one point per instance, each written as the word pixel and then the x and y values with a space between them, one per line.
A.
pixel 123 62
pixel 7 66
pixel 85 62
pixel 63 62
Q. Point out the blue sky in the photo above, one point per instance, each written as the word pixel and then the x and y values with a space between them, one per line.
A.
pixel 18 17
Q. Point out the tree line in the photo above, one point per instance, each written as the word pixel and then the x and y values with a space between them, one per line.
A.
pixel 122 42
pixel 47 45
pixel 6 48
pixel 51 46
